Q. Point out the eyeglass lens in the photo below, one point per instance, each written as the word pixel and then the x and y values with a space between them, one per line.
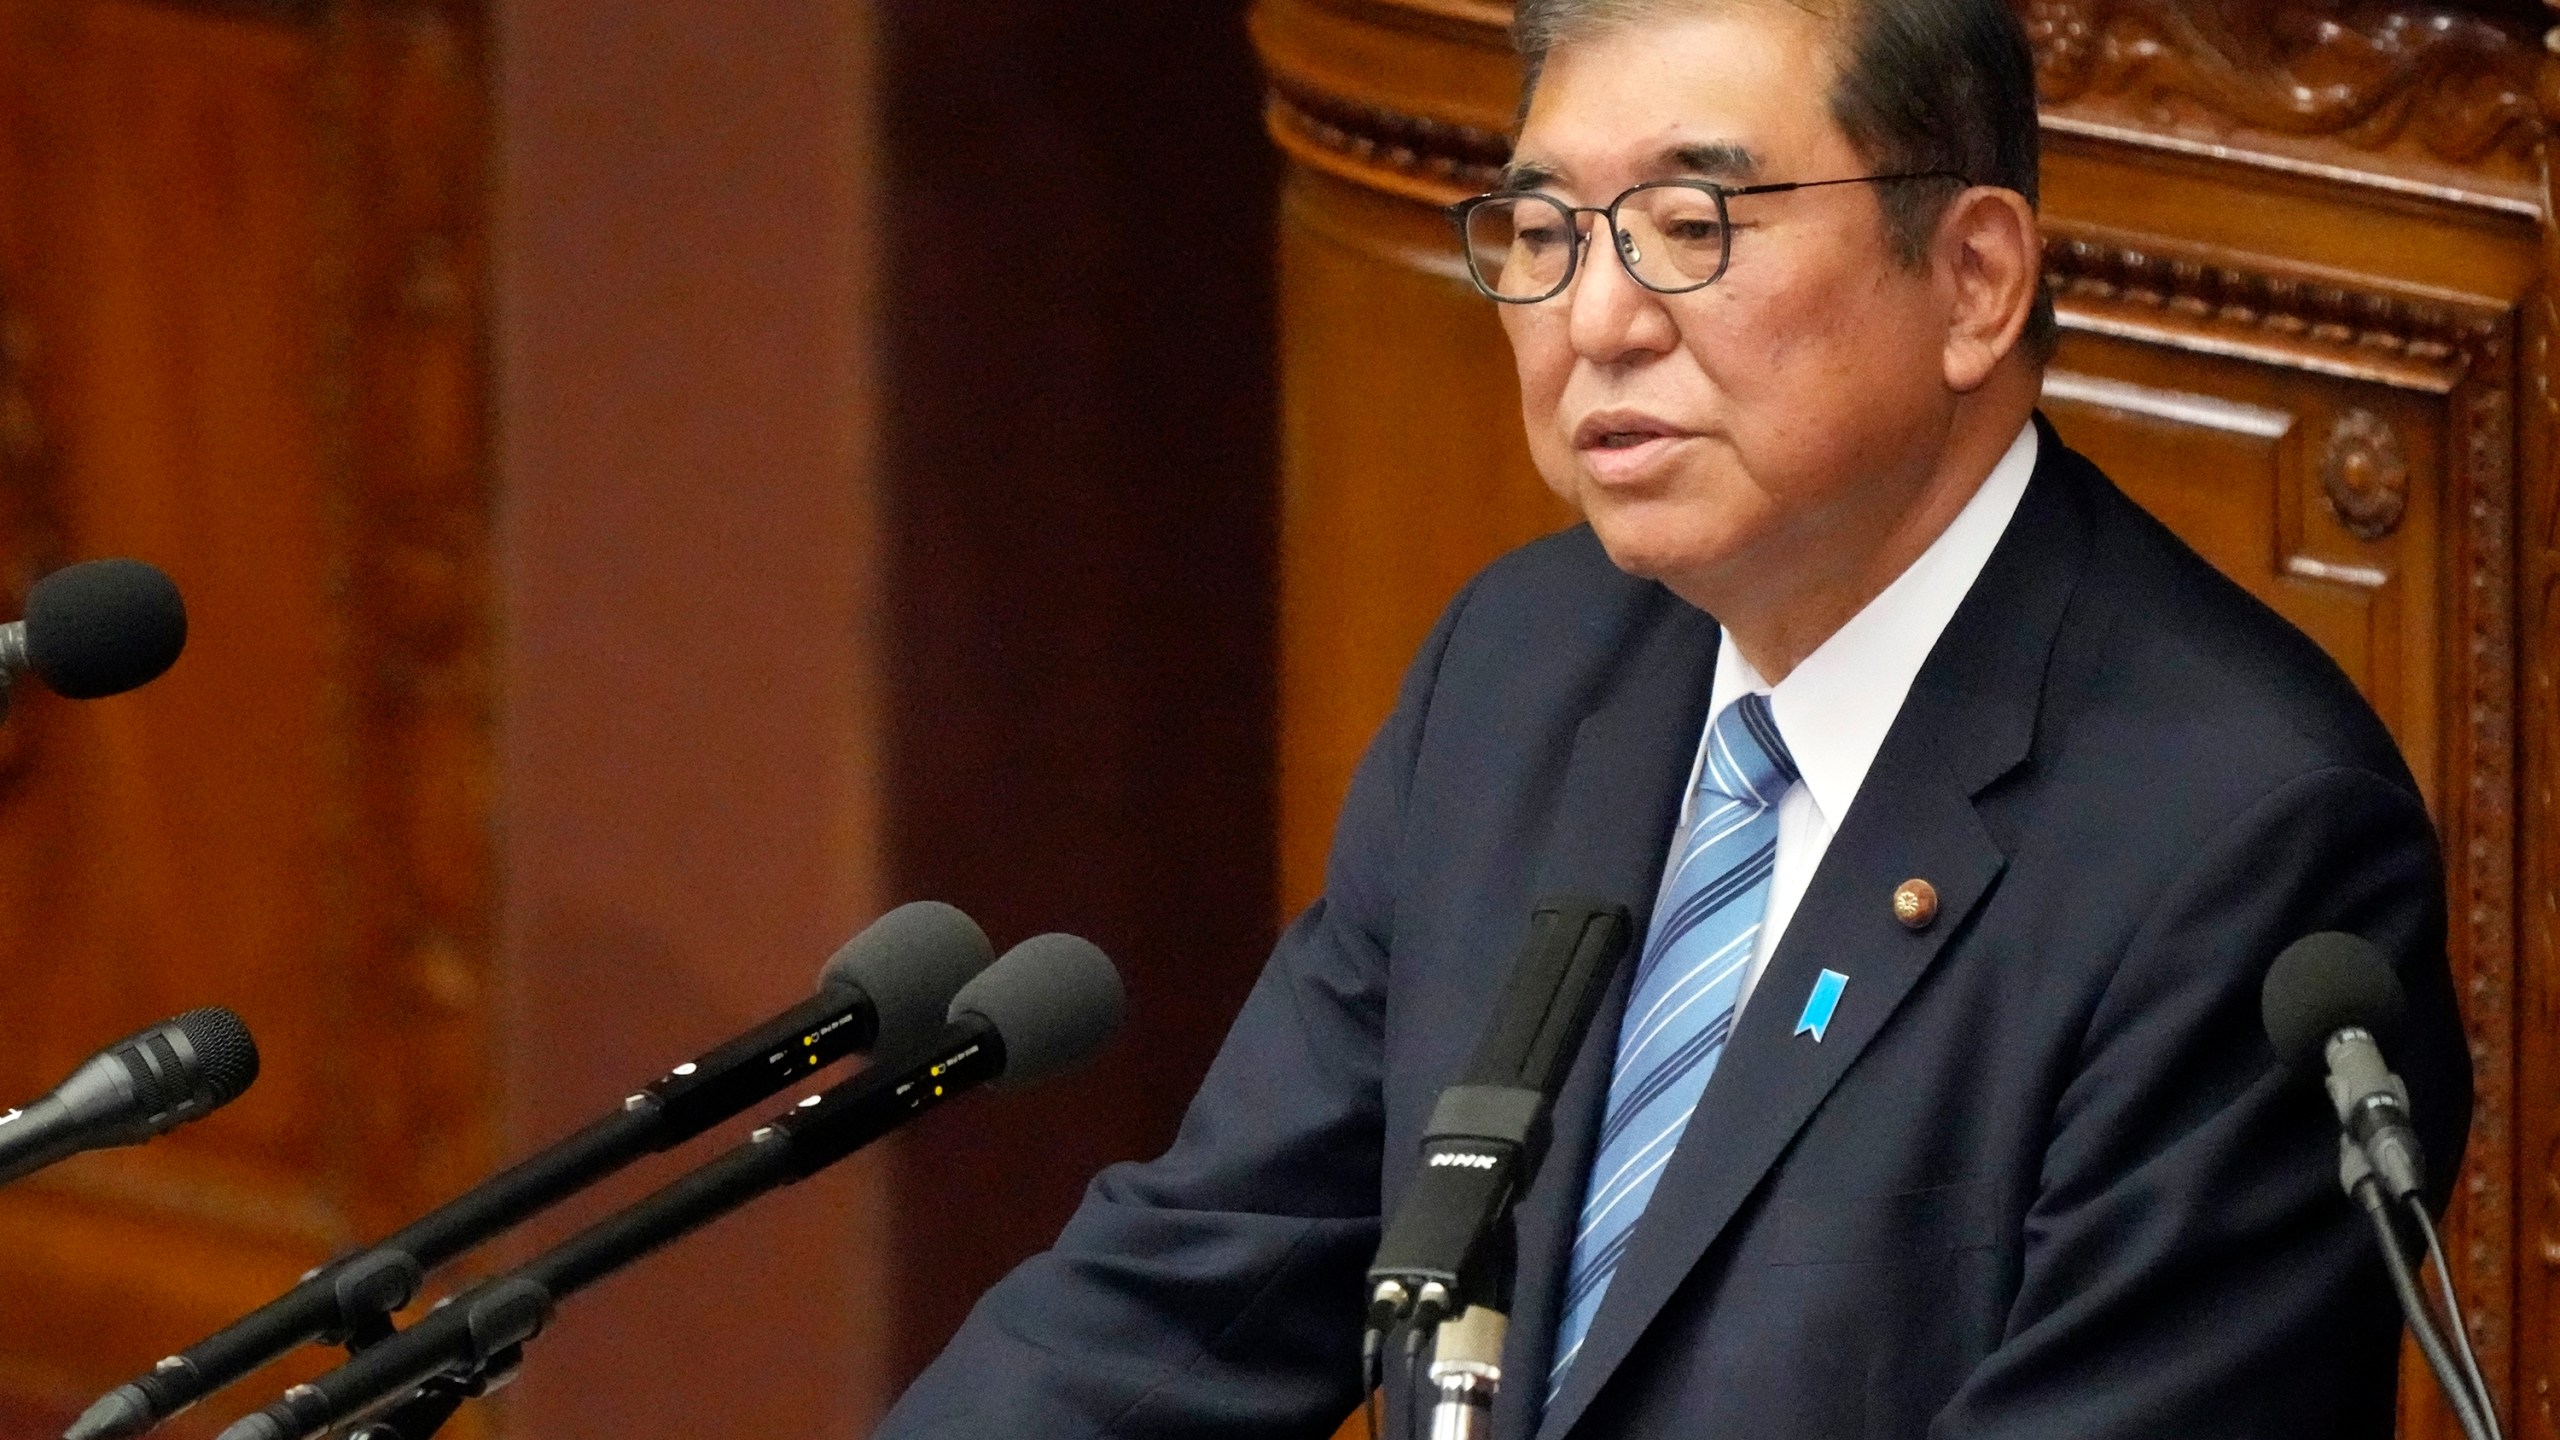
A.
pixel 1670 237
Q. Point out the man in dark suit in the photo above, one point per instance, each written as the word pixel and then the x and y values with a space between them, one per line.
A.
pixel 1961 808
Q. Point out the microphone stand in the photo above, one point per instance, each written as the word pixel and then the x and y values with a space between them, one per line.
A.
pixel 474 1341
pixel 1466 1349
pixel 435 1402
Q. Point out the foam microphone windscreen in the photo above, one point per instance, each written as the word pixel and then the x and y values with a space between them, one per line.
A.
pixel 103 627
pixel 911 961
pixel 1054 1000
pixel 2325 983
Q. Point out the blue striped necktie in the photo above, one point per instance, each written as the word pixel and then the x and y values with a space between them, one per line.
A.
pixel 1687 989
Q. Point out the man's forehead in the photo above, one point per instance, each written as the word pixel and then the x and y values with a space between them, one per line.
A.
pixel 1712 91
pixel 1726 160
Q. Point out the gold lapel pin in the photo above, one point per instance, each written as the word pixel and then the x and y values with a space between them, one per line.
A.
pixel 1915 904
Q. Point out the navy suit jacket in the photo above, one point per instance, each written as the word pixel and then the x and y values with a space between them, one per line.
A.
pixel 2040 1178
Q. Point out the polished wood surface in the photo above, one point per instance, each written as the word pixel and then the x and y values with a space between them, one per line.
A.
pixel 2300 254
pixel 238 266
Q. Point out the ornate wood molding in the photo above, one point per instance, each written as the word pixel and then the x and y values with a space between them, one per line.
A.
pixel 2455 84
pixel 2127 285
pixel 1436 158
pixel 2434 98
pixel 2536 1004
pixel 2139 290
pixel 2480 823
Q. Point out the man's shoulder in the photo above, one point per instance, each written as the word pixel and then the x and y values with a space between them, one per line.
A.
pixel 2215 675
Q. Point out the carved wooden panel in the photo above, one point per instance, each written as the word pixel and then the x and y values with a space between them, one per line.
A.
pixel 2299 252
pixel 2424 98
pixel 242 255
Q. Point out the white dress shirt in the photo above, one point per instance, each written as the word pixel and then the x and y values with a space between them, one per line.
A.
pixel 1834 710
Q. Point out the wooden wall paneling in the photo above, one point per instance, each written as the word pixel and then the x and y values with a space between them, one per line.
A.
pixel 686 229
pixel 126 240
pixel 2296 249
pixel 201 343
pixel 2536 1415
pixel 2273 471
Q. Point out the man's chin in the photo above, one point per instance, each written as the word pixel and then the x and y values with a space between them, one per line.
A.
pixel 1646 551
pixel 1642 539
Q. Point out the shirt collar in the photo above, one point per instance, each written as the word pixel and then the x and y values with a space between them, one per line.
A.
pixel 1834 709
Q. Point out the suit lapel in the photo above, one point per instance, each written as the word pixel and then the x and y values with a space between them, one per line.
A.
pixel 1770 1079
pixel 1968 721
pixel 1614 816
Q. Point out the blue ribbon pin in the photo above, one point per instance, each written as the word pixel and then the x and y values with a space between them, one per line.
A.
pixel 1819 1005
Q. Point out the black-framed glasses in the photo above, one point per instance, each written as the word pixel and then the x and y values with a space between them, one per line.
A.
pixel 1674 236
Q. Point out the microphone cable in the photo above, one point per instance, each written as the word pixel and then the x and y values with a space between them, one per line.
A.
pixel 2468 1404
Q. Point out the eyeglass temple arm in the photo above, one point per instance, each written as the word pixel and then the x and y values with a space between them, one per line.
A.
pixel 1781 189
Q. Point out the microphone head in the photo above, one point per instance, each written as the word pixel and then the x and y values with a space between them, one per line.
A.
pixel 911 961
pixel 161 1077
pixel 226 1059
pixel 2323 984
pixel 1053 1000
pixel 103 627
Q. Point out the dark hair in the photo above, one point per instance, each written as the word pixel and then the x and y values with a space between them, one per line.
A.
pixel 1945 85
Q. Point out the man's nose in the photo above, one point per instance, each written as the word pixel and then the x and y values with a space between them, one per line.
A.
pixel 1613 317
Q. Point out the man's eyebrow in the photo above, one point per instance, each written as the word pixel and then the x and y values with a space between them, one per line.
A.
pixel 1720 160
pixel 1714 160
pixel 1527 175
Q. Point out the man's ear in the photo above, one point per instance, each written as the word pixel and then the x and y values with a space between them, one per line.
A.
pixel 1992 256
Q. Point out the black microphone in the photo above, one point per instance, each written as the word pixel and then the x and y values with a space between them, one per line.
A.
pixel 887 988
pixel 1448 1251
pixel 2331 999
pixel 1488 1133
pixel 94 629
pixel 1046 1007
pixel 146 1084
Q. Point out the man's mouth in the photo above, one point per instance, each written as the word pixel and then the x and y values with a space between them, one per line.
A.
pixel 1620 431
pixel 1625 439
